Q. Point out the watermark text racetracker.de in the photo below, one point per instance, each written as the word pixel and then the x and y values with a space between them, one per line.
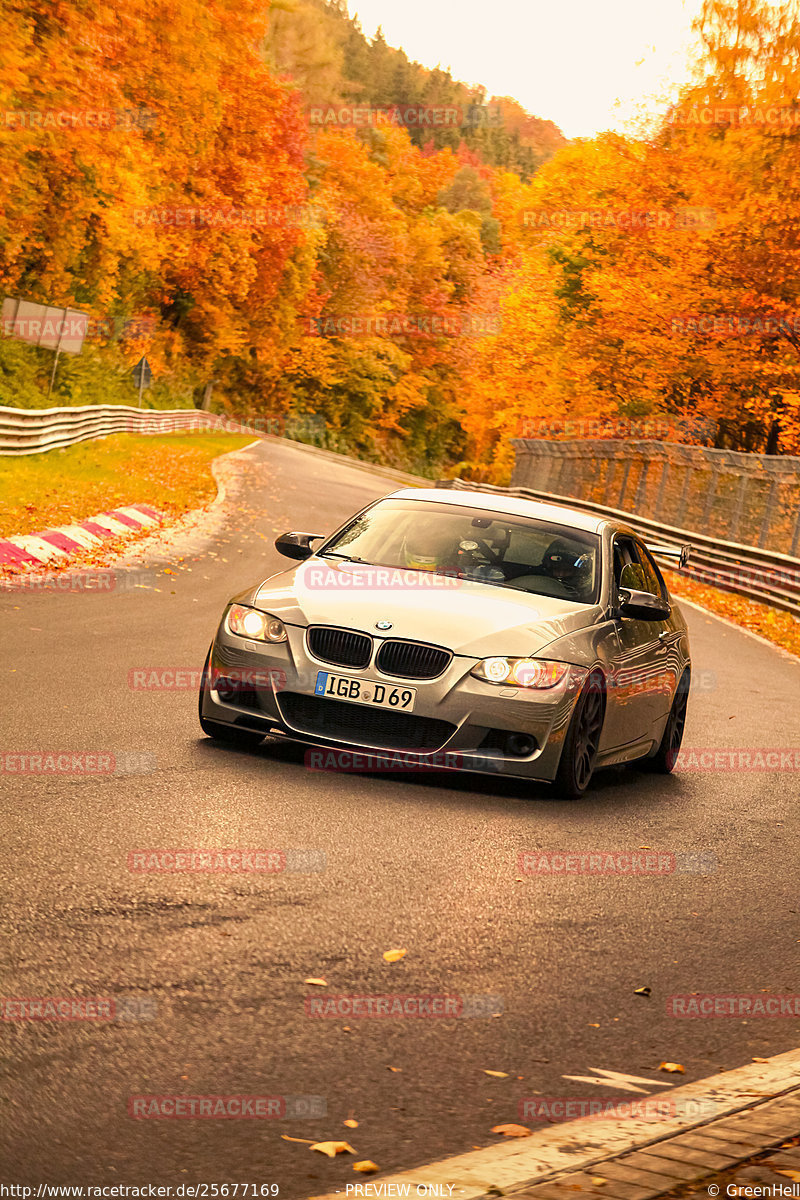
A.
pixel 80 325
pixel 709 1005
pixel 737 324
pixel 77 763
pixel 294 426
pixel 421 325
pixel 635 681
pixel 656 428
pixel 205 217
pixel 737 577
pixel 688 219
pixel 403 1006
pixel 78 118
pixel 351 761
pixel 745 758
pixel 93 580
pixel 77 1008
pixel 352 577
pixel 616 862
pixel 649 1108
pixel 237 1107
pixel 732 112
pixel 406 116
pixel 239 860
pixel 189 679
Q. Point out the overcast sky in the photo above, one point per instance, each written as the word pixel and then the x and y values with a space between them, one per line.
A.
pixel 571 61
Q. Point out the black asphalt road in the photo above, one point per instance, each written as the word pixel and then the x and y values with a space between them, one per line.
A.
pixel 428 863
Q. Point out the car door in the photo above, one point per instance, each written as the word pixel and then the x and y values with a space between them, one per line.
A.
pixel 669 636
pixel 634 702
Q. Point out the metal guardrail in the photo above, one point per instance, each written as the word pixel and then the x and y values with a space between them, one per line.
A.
pixel 757 574
pixel 33 430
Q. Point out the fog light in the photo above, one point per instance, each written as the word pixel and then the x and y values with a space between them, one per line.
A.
pixel 520 745
pixel 226 689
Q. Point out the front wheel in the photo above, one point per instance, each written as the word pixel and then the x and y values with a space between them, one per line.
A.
pixel 665 757
pixel 217 729
pixel 582 741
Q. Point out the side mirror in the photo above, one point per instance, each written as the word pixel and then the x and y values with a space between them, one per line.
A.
pixel 297 545
pixel 643 606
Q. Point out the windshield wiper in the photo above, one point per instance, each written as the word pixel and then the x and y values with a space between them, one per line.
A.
pixel 344 557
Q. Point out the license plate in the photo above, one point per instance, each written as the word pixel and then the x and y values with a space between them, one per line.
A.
pixel 365 691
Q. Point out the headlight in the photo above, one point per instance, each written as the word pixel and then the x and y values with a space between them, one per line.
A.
pixel 521 672
pixel 250 623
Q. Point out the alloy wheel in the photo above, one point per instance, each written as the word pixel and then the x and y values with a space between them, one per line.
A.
pixel 587 737
pixel 677 721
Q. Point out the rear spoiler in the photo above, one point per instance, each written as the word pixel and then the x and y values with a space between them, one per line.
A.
pixel 680 553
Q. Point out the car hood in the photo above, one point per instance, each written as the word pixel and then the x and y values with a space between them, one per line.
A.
pixel 474 619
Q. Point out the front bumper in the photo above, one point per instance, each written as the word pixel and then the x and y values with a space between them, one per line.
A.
pixel 458 722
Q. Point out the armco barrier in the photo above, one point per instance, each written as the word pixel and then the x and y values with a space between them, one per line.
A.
pixel 30 431
pixel 756 574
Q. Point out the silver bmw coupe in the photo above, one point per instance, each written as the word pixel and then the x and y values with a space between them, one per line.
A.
pixel 462 630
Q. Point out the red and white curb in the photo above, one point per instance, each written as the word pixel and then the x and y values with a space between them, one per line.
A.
pixel 37 548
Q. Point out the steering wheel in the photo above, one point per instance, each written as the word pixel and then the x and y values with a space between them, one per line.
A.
pixel 544 585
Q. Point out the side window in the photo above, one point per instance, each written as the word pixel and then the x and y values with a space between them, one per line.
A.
pixel 628 571
pixel 653 580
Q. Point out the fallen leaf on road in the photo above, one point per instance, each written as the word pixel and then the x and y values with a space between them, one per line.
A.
pixel 395 1069
pixel 394 955
pixel 760 1060
pixel 305 1141
pixel 598 1180
pixel 642 991
pixel 317 982
pixel 333 1148
pixel 512 1130
pixel 673 1068
pixel 793 1175
pixel 645 847
pixel 497 1074
pixel 366 1167
pixel 592 1025
pixel 351 1124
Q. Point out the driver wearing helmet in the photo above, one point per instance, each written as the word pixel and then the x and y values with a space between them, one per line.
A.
pixel 568 566
pixel 428 548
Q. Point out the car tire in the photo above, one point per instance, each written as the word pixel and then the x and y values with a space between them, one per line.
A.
pixel 665 757
pixel 217 729
pixel 582 740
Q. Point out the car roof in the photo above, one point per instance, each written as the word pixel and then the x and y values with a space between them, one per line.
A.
pixel 515 506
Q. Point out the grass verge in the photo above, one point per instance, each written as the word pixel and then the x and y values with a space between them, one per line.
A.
pixel 771 623
pixel 171 472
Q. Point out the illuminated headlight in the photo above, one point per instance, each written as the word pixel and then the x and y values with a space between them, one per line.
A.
pixel 521 672
pixel 250 623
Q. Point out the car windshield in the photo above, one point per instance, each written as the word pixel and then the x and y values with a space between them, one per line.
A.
pixel 506 551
